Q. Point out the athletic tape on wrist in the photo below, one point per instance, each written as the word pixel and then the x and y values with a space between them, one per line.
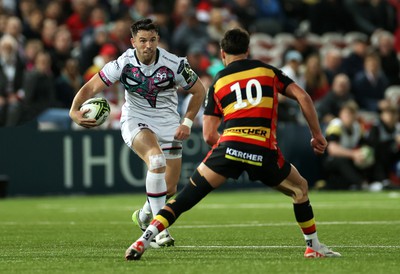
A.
pixel 187 122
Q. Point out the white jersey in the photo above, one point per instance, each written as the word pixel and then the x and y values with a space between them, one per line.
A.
pixel 150 90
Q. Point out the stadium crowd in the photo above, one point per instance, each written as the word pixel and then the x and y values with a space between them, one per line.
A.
pixel 339 51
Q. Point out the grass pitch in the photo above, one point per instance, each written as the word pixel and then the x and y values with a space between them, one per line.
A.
pixel 228 232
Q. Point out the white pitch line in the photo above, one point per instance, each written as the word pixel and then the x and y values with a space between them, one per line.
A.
pixel 289 224
pixel 280 246
pixel 249 224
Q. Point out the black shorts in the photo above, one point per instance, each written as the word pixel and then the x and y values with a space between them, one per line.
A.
pixel 265 165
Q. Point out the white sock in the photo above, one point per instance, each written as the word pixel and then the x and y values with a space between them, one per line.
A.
pixel 156 189
pixel 148 235
pixel 145 212
pixel 312 240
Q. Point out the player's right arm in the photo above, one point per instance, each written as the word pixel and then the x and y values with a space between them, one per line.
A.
pixel 210 129
pixel 318 141
pixel 87 91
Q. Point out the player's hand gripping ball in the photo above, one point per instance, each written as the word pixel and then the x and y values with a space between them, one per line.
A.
pixel 99 109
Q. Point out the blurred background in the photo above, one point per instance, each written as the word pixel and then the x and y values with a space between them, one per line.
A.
pixel 337 50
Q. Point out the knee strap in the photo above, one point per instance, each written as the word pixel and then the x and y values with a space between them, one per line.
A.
pixel 191 194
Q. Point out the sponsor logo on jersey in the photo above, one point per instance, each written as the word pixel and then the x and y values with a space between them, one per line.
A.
pixel 170 60
pixel 242 156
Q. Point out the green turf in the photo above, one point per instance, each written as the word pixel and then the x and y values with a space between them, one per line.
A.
pixel 228 232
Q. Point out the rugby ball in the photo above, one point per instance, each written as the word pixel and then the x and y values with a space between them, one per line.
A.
pixel 99 109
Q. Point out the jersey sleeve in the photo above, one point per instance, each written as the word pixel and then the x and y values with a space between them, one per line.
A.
pixel 186 77
pixel 211 106
pixel 111 72
pixel 283 81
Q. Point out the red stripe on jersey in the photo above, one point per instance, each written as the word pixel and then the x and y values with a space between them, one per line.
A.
pixel 255 112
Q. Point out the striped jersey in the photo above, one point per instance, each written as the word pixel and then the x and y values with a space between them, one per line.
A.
pixel 245 94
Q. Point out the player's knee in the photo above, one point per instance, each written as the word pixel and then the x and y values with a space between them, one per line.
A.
pixel 157 163
pixel 301 191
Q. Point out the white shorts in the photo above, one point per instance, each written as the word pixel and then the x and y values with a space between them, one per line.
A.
pixel 131 126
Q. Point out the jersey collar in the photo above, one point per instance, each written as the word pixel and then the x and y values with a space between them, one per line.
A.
pixel 155 61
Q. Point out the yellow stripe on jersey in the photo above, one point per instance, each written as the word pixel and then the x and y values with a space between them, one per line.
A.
pixel 266 102
pixel 235 77
pixel 255 133
pixel 242 160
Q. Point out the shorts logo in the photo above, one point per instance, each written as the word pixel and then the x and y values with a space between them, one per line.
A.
pixel 142 125
pixel 245 157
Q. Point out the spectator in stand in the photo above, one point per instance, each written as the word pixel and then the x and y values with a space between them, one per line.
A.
pixel 33 27
pixel 14 28
pixel 316 81
pixel 389 61
pixel 370 15
pixel 384 137
pixel 288 111
pixel 302 44
pixel 90 47
pixel 245 12
pixel 54 10
pixel 340 93
pixel 331 63
pixel 292 67
pixel 197 58
pixel 78 21
pixel 140 9
pixel 119 34
pixel 354 62
pixel 324 16
pixel 38 85
pixel 11 74
pixel 3 22
pixel 370 84
pixel 189 32
pixel 180 9
pixel 61 50
pixel 68 83
pixel 48 33
pixel 345 136
pixel 217 25
pixel 32 48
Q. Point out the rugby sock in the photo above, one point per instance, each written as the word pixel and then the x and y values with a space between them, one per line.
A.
pixel 162 221
pixel 145 212
pixel 305 218
pixel 156 189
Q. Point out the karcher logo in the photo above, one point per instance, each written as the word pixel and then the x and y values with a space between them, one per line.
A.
pixel 244 155
pixel 249 131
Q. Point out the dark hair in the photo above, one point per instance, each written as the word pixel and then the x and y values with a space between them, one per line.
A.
pixel 143 24
pixel 235 41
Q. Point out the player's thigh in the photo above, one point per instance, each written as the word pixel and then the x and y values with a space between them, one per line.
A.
pixel 145 144
pixel 212 177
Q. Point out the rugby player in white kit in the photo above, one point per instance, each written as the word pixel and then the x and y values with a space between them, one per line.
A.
pixel 150 123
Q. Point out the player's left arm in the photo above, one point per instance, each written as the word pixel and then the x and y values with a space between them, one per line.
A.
pixel 198 91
